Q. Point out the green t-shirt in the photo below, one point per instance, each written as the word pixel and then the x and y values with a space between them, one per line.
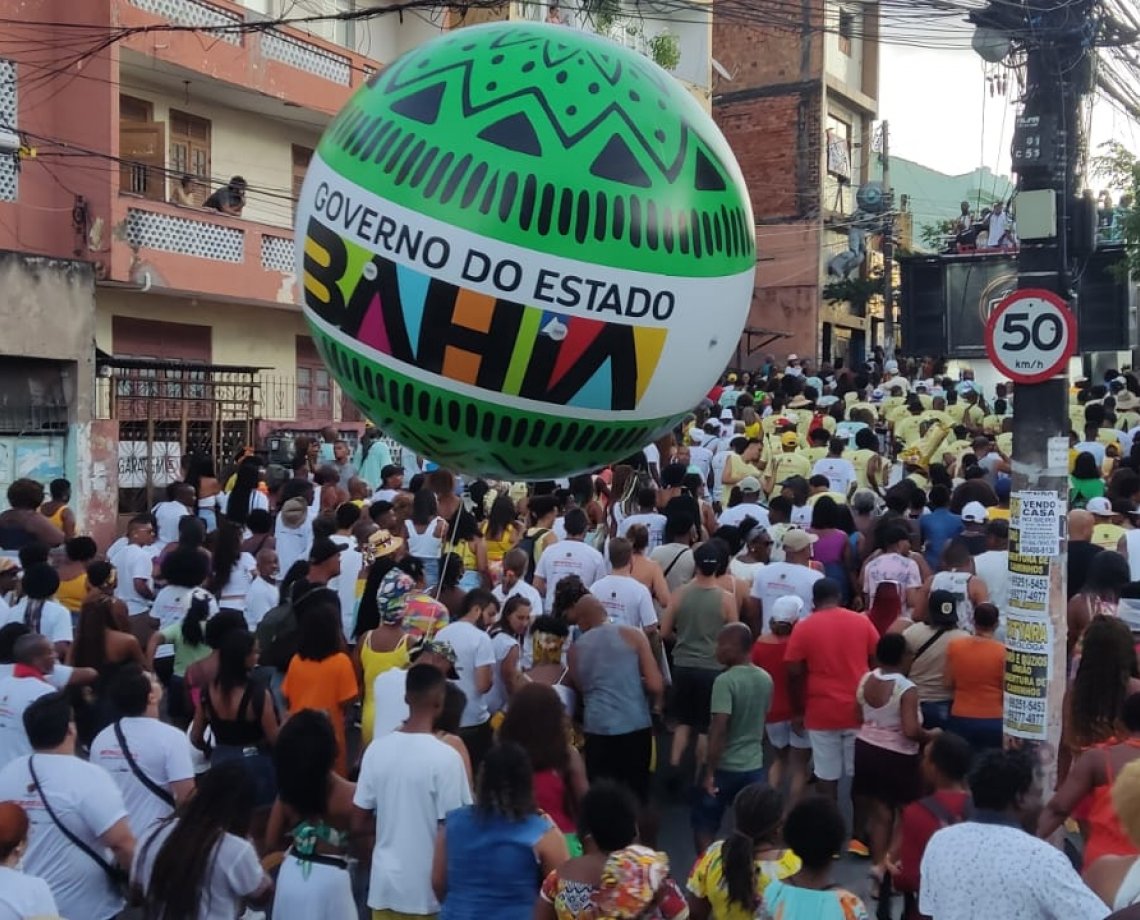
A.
pixel 185 654
pixel 744 693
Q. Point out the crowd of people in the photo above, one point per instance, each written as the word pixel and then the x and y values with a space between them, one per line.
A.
pixel 353 689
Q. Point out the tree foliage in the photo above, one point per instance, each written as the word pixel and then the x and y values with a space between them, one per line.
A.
pixel 855 291
pixel 1120 169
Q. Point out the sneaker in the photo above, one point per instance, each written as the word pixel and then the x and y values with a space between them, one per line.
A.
pixel 858 848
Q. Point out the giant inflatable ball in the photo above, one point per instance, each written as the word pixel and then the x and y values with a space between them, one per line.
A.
pixel 526 251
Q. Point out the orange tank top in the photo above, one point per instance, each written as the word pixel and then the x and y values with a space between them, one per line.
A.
pixel 1106 836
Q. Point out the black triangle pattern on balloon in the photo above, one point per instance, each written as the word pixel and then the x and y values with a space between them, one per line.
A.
pixel 515 132
pixel 617 163
pixel 423 105
pixel 708 177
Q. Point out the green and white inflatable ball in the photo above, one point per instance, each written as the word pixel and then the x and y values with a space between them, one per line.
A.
pixel 526 251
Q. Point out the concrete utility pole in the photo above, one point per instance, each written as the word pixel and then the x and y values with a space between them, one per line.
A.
pixel 1047 153
pixel 888 247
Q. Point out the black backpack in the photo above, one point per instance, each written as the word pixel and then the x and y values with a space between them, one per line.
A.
pixel 277 636
pixel 528 544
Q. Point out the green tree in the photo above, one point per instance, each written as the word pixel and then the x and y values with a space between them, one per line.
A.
pixel 1120 169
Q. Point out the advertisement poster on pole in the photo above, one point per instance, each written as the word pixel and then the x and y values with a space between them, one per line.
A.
pixel 1034 538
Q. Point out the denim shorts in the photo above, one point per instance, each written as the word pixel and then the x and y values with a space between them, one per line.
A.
pixel 708 810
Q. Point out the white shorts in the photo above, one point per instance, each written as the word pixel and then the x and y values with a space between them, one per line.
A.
pixel 782 735
pixel 833 753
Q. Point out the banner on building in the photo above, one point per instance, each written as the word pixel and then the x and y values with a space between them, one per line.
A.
pixel 157 462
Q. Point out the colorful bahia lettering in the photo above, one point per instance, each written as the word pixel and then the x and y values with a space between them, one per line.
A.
pixel 474 338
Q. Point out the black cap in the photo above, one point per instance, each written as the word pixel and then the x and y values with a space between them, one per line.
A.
pixel 391 469
pixel 324 549
pixel 708 558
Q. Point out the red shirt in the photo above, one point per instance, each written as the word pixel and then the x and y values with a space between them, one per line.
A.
pixel 770 657
pixel 835 646
pixel 918 826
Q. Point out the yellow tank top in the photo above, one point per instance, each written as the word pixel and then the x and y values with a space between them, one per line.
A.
pixel 463 551
pixel 496 549
pixel 73 592
pixel 56 517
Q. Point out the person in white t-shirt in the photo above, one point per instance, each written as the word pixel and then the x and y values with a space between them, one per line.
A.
pixel 648 516
pixel 389 689
pixel 138 743
pixel 293 533
pixel 513 581
pixel 992 567
pixel 35 659
pixel 409 781
pixel 474 662
pixel 627 601
pixel 38 611
pixel 84 798
pixel 21 895
pixel 167 514
pixel 213 826
pixel 568 557
pixel 839 471
pixel 781 579
pixel 135 565
pixel 263 593
pixel 748 507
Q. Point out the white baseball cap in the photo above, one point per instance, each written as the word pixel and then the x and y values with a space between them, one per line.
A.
pixel 1101 507
pixel 787 609
pixel 975 512
pixel 891 367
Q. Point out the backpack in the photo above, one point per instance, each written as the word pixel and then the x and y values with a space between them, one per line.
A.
pixel 277 636
pixel 816 421
pixel 528 544
pixel 931 804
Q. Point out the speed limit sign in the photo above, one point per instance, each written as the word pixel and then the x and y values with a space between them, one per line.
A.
pixel 1031 335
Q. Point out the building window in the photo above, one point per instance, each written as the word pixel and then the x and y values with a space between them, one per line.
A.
pixel 301 158
pixel 839 148
pixel 314 385
pixel 189 149
pixel 846 31
pixel 142 145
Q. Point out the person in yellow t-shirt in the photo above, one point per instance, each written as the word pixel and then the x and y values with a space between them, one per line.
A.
pixel 789 462
pixel 818 445
pixel 907 431
pixel 1107 530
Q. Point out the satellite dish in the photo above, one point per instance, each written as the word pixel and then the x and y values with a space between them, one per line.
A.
pixel 990 45
pixel 871 198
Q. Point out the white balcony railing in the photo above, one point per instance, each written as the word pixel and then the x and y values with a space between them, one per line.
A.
pixel 184 235
pixel 197 13
pixel 310 58
pixel 277 253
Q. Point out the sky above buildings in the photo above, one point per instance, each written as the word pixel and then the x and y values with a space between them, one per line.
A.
pixel 942 114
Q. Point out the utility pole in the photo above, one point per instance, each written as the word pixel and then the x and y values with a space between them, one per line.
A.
pixel 1047 151
pixel 888 247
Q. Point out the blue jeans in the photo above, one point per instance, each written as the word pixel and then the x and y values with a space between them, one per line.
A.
pixel 982 734
pixel 935 714
pixel 708 810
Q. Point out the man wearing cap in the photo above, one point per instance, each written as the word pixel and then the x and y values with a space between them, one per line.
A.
pixel 1107 532
pixel 793 576
pixel 793 749
pixel 324 561
pixel 786 464
pixel 974 520
pixel 729 393
pixel 748 507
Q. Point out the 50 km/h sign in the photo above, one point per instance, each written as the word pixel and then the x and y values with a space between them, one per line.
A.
pixel 1031 335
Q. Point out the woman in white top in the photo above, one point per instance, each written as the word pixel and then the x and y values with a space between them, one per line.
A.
pixel 21 896
pixel 233 570
pixel 887 761
pixel 200 855
pixel 507 638
pixel 245 496
pixel 426 533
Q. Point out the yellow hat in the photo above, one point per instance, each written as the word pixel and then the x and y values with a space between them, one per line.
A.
pixel 789 439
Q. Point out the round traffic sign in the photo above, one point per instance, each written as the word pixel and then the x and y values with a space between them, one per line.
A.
pixel 1031 335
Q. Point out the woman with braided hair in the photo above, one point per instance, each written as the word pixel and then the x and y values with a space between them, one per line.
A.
pixel 728 880
pixel 485 854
